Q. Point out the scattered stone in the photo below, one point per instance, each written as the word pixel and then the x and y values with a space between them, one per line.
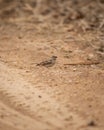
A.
pixel 74 69
pixel 19 37
pixel 101 48
pixel 91 123
pixel 2 116
pixel 40 96
pixel 27 71
pixel 90 106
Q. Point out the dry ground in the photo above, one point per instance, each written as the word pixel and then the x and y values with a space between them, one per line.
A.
pixel 67 96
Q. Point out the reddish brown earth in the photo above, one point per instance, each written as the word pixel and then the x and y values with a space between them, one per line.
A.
pixel 67 96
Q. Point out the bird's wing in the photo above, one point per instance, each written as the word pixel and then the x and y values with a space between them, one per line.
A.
pixel 45 62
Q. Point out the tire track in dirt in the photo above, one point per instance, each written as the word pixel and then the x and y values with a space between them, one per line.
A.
pixel 26 99
pixel 10 119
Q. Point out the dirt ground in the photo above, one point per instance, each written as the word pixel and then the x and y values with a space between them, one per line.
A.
pixel 70 94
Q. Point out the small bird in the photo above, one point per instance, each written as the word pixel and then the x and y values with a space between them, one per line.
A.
pixel 48 63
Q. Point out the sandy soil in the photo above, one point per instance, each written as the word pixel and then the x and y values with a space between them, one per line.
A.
pixel 67 96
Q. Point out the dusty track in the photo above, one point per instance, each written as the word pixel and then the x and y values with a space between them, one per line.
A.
pixel 24 99
pixel 58 98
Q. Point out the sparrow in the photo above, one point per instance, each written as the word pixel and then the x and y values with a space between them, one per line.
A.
pixel 48 63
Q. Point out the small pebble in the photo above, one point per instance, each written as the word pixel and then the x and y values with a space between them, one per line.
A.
pixel 91 123
pixel 40 96
pixel 74 69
